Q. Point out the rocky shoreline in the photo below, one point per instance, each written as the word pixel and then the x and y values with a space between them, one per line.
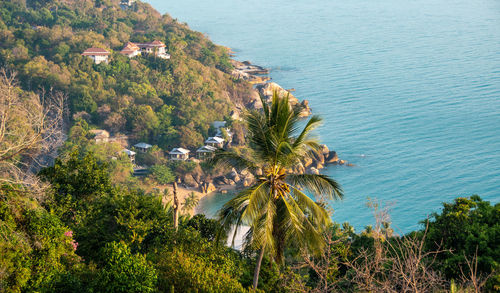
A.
pixel 235 180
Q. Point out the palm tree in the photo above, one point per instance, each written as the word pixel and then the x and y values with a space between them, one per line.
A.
pixel 190 202
pixel 276 207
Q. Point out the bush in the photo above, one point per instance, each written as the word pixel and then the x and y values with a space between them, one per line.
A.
pixel 124 271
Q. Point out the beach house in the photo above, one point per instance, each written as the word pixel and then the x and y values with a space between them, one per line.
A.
pixel 130 154
pixel 99 55
pixel 143 147
pixel 179 154
pixel 155 48
pixel 205 152
pixel 215 141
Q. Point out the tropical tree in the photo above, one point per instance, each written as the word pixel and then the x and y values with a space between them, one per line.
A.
pixel 190 202
pixel 277 208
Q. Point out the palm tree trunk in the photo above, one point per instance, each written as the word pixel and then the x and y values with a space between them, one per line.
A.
pixel 175 206
pixel 257 268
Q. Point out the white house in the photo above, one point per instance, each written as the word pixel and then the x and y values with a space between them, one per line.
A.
pixel 130 154
pixel 97 54
pixel 155 47
pixel 205 152
pixel 215 141
pixel 143 147
pixel 179 154
pixel 126 4
pixel 131 50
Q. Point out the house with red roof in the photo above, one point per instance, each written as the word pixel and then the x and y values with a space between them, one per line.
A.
pixel 99 55
pixel 155 47
pixel 131 50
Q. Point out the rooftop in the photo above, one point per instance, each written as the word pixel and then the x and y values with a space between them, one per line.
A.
pixel 95 52
pixel 143 145
pixel 206 148
pixel 179 151
pixel 214 139
pixel 129 152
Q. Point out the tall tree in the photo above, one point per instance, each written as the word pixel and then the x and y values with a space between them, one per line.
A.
pixel 276 207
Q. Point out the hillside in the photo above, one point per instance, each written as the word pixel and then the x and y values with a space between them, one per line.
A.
pixel 165 102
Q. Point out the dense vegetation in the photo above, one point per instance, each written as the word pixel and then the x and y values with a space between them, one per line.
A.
pixel 165 102
pixel 83 224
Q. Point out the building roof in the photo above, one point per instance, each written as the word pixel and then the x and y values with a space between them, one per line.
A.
pixel 143 145
pixel 99 133
pixel 179 151
pixel 214 139
pixel 95 52
pixel 156 43
pixel 129 152
pixel 130 48
pixel 152 44
pixel 206 149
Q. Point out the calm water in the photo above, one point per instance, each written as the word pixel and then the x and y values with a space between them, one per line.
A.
pixel 409 90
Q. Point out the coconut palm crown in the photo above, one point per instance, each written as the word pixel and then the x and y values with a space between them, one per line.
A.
pixel 277 208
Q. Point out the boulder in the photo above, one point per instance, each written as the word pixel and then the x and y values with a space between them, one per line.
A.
pixel 320 157
pixel 307 162
pixel 207 187
pixel 259 172
pixel 313 170
pixel 267 90
pixel 236 179
pixel 190 181
pixel 324 149
pixel 220 180
pixel 332 157
pixel 247 182
pixel 317 165
pixel 232 174
pixel 342 162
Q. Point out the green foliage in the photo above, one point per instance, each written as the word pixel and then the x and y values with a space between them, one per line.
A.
pixel 124 272
pixel 162 174
pixel 467 226
pixel 276 208
pixel 34 245
pixel 190 202
pixel 163 101
pixel 76 182
pixel 188 273
pixel 207 227
pixel 124 216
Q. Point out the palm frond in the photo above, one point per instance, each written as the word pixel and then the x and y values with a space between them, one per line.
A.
pixel 231 159
pixel 317 185
pixel 313 122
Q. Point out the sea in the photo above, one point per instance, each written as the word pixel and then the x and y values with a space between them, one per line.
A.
pixel 409 91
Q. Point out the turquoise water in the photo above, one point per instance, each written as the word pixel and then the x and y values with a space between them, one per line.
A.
pixel 409 90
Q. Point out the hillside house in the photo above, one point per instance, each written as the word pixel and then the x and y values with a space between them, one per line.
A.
pixel 97 54
pixel 131 50
pixel 215 141
pixel 126 4
pixel 143 147
pixel 100 135
pixel 179 154
pixel 205 152
pixel 130 154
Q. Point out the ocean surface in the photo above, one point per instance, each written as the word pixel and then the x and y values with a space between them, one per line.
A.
pixel 409 91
